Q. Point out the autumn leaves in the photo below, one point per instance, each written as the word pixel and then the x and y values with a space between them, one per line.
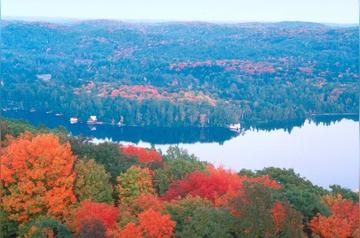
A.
pixel 38 177
pixel 131 192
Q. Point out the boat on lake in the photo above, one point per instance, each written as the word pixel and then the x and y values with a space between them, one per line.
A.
pixel 235 127
pixel 74 120
pixel 92 120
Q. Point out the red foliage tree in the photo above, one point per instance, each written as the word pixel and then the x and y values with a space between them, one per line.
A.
pixel 265 180
pixel 142 154
pixel 130 231
pixel 209 185
pixel 213 184
pixel 92 211
pixel 278 215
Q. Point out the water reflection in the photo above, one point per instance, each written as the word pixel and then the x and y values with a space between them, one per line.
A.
pixel 324 154
pixel 162 135
pixel 323 149
pixel 289 125
pixel 152 135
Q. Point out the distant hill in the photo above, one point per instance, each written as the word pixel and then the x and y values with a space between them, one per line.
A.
pixel 180 73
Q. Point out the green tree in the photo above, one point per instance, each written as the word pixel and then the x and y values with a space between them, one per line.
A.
pixel 43 228
pixel 258 214
pixel 92 182
pixel 8 228
pixel 183 210
pixel 305 201
pixel 14 127
pixel 134 182
pixel 208 222
pixel 344 192
pixel 106 154
pixel 301 193
pixel 255 208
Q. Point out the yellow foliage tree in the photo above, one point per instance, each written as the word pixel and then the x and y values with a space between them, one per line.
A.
pixel 134 182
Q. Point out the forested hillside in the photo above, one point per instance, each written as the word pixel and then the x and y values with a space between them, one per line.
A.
pixel 54 185
pixel 180 74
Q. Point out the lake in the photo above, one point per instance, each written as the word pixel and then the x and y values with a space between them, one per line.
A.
pixel 325 149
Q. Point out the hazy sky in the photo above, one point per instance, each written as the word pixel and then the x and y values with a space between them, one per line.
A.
pixel 331 11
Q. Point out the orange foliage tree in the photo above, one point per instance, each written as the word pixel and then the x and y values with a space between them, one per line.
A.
pixel 151 224
pixel 145 202
pixel 330 227
pixel 142 154
pixel 94 213
pixel 155 225
pixel 130 211
pixel 343 222
pixel 37 176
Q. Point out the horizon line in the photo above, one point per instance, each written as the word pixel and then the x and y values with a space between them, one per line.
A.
pixel 44 18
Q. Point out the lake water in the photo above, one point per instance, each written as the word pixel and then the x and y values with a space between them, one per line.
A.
pixel 324 150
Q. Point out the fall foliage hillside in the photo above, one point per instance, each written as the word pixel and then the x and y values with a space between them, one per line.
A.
pixel 54 185
pixel 180 74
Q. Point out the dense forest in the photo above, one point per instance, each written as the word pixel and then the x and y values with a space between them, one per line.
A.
pixel 54 185
pixel 180 74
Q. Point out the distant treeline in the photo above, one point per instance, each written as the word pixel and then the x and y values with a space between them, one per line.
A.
pixel 180 74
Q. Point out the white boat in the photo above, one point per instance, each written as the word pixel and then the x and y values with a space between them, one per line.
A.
pixel 74 120
pixel 58 114
pixel 235 127
pixel 92 120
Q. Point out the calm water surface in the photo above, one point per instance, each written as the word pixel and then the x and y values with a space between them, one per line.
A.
pixel 325 153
